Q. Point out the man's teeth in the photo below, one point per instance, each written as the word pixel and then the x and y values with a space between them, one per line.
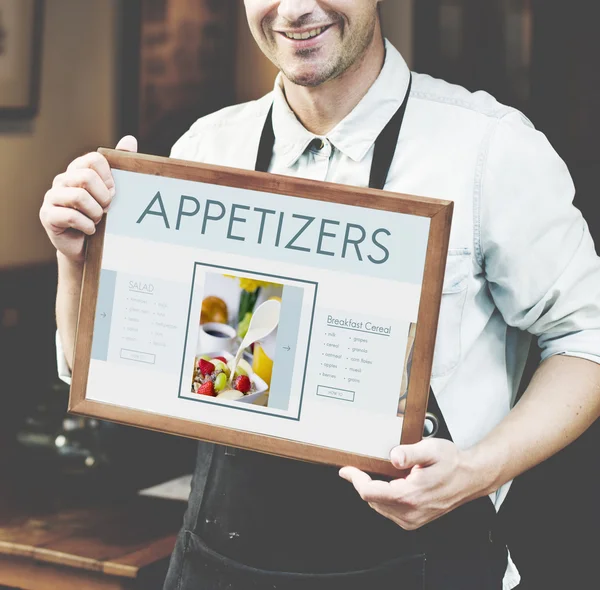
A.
pixel 306 35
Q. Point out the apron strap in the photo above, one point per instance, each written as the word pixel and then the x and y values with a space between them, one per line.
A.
pixel 385 146
pixel 200 479
pixel 434 408
pixel 266 145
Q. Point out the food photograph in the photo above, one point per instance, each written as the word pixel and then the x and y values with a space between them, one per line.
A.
pixel 236 339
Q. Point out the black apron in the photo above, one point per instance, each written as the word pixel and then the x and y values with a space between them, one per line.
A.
pixel 254 516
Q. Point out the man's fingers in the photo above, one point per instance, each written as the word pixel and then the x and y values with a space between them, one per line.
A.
pixel 407 456
pixel 359 479
pixel 60 219
pixel 88 179
pixel 128 144
pixel 97 162
pixel 75 198
pixel 354 476
pixel 370 490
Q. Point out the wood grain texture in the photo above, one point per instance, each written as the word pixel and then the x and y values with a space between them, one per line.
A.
pixel 24 534
pixel 87 312
pixel 18 572
pixel 122 539
pixel 67 559
pixel 437 210
pixel 429 310
pixel 128 566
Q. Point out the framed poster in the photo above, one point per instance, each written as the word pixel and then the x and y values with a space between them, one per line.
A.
pixel 20 57
pixel 351 282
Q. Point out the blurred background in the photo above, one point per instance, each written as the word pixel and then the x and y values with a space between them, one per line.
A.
pixel 76 75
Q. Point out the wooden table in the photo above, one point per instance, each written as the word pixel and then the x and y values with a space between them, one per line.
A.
pixel 124 545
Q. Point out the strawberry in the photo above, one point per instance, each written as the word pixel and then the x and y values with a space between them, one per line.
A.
pixel 242 383
pixel 221 358
pixel 207 388
pixel 206 368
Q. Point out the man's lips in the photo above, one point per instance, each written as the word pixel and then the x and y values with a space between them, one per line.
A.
pixel 304 37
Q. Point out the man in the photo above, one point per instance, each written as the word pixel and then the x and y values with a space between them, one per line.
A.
pixel 521 262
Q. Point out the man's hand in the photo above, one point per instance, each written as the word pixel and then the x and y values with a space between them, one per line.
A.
pixel 561 402
pixel 78 200
pixel 437 478
pixel 72 208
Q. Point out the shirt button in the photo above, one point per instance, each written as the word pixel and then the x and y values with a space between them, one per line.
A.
pixel 317 143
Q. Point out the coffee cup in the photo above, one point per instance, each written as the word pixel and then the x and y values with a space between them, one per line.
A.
pixel 216 337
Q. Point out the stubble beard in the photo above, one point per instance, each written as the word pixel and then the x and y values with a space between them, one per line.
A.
pixel 348 57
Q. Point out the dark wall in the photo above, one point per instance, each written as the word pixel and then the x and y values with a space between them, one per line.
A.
pixel 27 357
pixel 565 95
pixel 552 513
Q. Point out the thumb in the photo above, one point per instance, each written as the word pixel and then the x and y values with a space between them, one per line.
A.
pixel 128 144
pixel 409 456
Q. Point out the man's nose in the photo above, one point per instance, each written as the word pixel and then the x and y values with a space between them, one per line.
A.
pixel 294 10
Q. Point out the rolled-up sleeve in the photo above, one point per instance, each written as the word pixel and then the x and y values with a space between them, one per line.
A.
pixel 64 373
pixel 534 245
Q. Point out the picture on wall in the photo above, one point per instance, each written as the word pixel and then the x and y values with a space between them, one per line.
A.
pixel 20 57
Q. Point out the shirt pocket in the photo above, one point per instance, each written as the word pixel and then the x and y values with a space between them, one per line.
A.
pixel 454 295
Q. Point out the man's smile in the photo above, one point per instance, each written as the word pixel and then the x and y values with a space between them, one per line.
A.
pixel 305 37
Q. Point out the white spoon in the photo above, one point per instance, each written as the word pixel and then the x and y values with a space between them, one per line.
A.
pixel 264 320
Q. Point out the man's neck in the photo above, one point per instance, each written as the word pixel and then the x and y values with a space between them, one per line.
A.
pixel 321 108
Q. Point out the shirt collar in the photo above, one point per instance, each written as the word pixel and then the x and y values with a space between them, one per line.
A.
pixel 355 135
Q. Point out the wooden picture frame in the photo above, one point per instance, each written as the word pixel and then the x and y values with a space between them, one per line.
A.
pixel 21 24
pixel 437 214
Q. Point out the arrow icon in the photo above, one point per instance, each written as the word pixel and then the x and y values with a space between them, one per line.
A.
pixel 287 348
pixel 103 315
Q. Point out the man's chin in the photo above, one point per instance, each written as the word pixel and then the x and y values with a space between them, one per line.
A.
pixel 309 78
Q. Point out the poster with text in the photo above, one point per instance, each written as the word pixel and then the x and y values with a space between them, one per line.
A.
pixel 257 316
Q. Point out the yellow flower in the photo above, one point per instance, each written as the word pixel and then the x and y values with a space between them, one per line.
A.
pixel 250 285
